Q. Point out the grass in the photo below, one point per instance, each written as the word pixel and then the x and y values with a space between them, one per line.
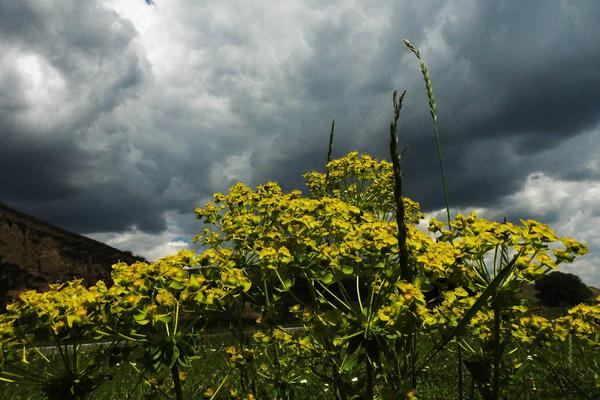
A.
pixel 576 365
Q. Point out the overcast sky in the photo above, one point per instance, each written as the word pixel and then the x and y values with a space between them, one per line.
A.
pixel 118 118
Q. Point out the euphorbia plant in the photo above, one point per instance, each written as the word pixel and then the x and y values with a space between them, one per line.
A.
pixel 63 318
pixel 513 256
pixel 336 261
pixel 164 305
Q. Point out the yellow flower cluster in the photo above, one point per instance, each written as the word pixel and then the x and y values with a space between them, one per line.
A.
pixel 583 321
pixel 66 310
pixel 151 292
pixel 285 233
pixel 8 344
pixel 238 357
pixel 147 302
pixel 535 329
pixel 474 238
pixel 362 181
pixel 406 310
pixel 296 343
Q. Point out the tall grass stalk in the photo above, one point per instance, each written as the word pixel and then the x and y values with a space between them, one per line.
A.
pixel 330 147
pixel 406 271
pixel 559 372
pixel 433 112
pixel 329 153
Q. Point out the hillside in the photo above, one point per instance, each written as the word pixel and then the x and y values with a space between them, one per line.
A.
pixel 34 253
pixel 528 292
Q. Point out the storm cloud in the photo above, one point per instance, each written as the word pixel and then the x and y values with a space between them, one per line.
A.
pixel 118 119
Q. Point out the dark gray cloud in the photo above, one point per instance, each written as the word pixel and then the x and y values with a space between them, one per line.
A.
pixel 519 80
pixel 511 81
pixel 118 119
pixel 40 168
pixel 539 65
pixel 64 66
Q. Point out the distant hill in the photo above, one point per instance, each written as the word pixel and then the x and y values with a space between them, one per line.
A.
pixel 528 292
pixel 34 253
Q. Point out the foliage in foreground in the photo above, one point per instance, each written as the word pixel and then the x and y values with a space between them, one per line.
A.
pixel 376 299
pixel 328 262
pixel 438 380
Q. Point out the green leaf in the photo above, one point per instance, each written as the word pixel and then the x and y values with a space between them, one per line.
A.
pixel 354 344
pixel 176 285
pixel 332 317
pixel 72 319
pixel 327 278
pixel 164 318
pixel 174 355
pixel 140 318
pixel 347 270
pixel 350 363
pixel 156 353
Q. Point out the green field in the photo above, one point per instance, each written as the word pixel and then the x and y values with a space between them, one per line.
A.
pixel 576 378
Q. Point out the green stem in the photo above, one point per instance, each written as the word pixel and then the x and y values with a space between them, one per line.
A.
pixel 75 348
pixel 219 388
pixel 497 351
pixel 413 360
pixel 266 292
pixel 346 298
pixel 176 382
pixel 28 375
pixel 358 294
pixel 175 327
pixel 64 357
pixel 334 296
pixel 369 378
pixel 460 371
pixel 370 313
